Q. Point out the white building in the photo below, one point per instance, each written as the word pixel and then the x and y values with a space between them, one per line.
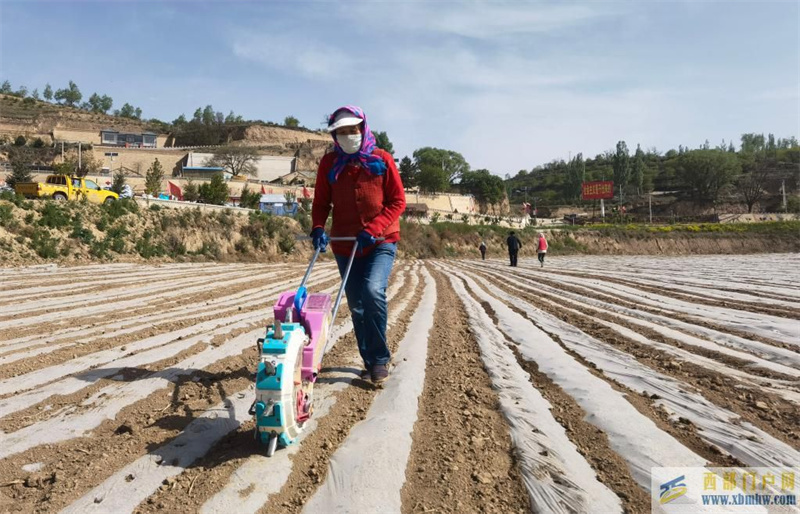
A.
pixel 268 167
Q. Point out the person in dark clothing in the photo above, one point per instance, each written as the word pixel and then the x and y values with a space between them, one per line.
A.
pixel 482 248
pixel 514 244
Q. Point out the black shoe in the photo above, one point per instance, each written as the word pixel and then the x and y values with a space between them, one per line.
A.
pixel 379 373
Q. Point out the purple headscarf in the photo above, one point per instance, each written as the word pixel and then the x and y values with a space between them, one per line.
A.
pixel 373 163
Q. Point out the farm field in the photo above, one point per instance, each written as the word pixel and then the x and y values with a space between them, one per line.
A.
pixel 126 388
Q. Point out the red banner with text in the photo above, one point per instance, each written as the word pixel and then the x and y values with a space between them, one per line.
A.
pixel 600 190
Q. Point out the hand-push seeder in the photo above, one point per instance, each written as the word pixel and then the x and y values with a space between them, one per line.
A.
pixel 290 358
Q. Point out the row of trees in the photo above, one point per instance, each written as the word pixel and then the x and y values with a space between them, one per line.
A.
pixel 704 175
pixel 71 96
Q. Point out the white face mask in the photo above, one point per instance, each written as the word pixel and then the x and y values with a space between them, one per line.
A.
pixel 350 143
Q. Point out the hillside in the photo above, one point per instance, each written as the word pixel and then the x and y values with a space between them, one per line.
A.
pixel 32 119
pixel 72 233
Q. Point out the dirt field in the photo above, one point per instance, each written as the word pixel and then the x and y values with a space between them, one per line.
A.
pixel 125 388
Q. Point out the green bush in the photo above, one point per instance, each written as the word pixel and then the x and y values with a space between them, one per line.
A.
pixel 121 208
pixel 155 207
pixel 305 221
pixel 261 224
pixel 54 216
pixel 6 214
pixel 101 223
pixel 44 244
pixel 225 219
pixel 99 249
pixel 211 250
pixel 81 233
pixel 286 242
pixel 148 248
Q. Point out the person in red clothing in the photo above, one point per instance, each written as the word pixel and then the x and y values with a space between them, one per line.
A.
pixel 541 248
pixel 360 184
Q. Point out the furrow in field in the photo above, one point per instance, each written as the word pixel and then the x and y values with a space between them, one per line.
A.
pixel 718 426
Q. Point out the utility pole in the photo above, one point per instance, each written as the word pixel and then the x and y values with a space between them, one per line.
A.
pixel 783 191
pixel 79 157
pixel 650 198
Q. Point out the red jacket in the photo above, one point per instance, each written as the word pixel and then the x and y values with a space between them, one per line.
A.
pixel 542 245
pixel 360 201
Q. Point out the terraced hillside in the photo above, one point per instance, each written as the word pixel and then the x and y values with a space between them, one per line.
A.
pixel 125 388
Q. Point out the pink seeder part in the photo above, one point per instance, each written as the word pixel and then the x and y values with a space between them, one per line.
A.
pixel 313 316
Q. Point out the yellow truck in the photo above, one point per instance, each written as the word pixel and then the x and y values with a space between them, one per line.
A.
pixel 65 187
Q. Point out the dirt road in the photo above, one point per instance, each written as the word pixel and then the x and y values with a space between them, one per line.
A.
pixel 125 388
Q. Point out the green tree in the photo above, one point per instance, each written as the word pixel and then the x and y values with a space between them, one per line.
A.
pixel 20 141
pixel 22 92
pixel 753 143
pixel 48 93
pixel 190 192
pixel 408 172
pixel 118 181
pixel 485 187
pixel 137 113
pixel 198 116
pixel 127 111
pixel 576 169
pixel 705 172
pixel 237 160
pixel 153 178
pixel 638 169
pixel 382 142
pixel 5 88
pixel 752 181
pixel 290 121
pixel 180 120
pixel 100 104
pixel 438 169
pixel 20 159
pixel 622 168
pixel 35 94
pixel 208 115
pixel 94 103
pixel 70 95
pixel 249 199
pixel 214 192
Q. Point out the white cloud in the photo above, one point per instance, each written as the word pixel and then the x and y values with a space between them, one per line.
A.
pixel 478 19
pixel 292 54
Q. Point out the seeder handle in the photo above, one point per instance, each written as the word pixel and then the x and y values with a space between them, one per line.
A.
pixel 298 301
pixel 302 293
pixel 338 301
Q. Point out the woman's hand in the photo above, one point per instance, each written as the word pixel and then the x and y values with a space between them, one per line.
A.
pixel 365 239
pixel 319 239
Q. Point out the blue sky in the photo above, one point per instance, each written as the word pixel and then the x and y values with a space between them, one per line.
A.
pixel 510 85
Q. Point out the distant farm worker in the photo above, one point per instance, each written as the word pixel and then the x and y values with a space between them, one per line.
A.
pixel 482 248
pixel 514 244
pixel 360 182
pixel 541 248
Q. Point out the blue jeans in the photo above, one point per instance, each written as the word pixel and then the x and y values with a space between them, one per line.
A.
pixel 366 297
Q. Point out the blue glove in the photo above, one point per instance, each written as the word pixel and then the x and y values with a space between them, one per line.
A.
pixel 319 239
pixel 365 239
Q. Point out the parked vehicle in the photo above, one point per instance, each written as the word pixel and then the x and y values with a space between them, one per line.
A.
pixel 65 187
